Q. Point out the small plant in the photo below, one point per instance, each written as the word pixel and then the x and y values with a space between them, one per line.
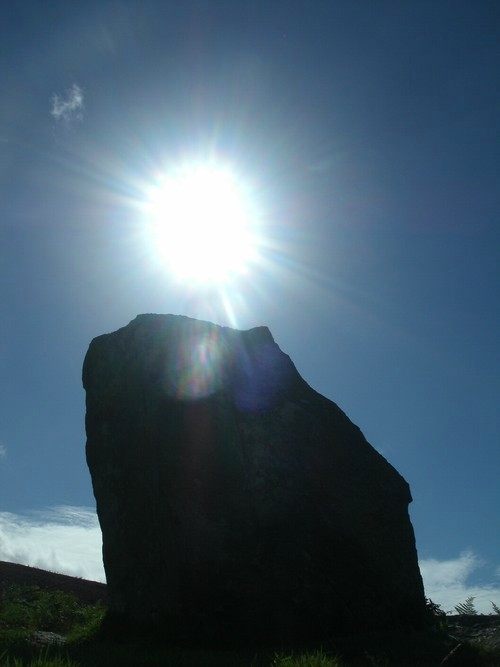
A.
pixel 466 608
pixel 433 608
pixel 41 661
pixel 317 659
pixel 87 622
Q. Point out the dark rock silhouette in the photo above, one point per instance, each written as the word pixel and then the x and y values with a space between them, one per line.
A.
pixel 235 501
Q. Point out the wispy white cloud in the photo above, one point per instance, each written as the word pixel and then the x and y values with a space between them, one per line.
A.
pixel 62 539
pixel 69 107
pixel 447 582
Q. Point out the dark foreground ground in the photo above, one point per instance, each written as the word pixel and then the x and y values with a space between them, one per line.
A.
pixel 88 592
pixel 454 641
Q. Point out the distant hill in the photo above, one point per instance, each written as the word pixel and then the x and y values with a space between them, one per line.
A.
pixel 88 592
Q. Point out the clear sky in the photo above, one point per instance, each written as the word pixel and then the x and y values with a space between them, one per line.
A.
pixel 366 136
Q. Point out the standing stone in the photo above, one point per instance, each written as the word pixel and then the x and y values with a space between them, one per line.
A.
pixel 234 500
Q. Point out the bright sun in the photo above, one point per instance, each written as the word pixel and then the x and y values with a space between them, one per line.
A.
pixel 203 226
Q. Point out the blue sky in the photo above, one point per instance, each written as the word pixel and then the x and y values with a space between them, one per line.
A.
pixel 367 133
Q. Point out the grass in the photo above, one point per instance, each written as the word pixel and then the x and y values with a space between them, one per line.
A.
pixel 316 659
pixel 26 609
pixel 40 661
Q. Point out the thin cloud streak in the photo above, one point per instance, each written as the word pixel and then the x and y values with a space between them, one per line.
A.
pixel 70 107
pixel 3 451
pixel 68 540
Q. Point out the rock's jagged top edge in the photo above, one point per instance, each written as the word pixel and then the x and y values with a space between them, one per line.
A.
pixel 262 332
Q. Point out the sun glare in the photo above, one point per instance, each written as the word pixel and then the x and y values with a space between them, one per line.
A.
pixel 202 224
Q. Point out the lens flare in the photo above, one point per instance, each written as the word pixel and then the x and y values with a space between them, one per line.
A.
pixel 197 369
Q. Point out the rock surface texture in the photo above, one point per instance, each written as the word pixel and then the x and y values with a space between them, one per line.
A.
pixel 235 501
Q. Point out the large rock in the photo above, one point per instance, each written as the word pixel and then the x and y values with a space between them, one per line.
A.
pixel 235 500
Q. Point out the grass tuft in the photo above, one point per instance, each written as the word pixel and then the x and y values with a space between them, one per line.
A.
pixel 317 659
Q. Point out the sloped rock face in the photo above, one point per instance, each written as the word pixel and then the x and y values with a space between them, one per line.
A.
pixel 234 500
